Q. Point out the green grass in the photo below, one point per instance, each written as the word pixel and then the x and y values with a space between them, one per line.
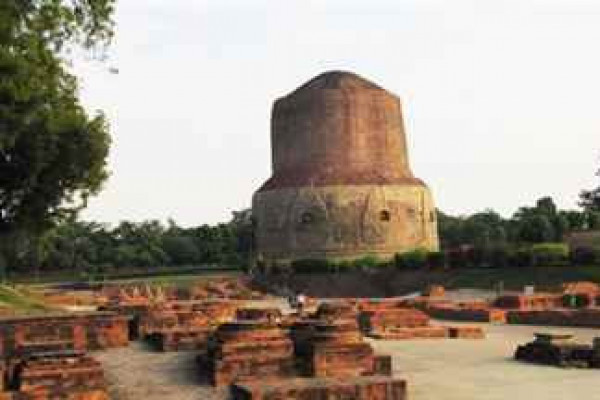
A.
pixel 125 275
pixel 20 300
pixel 176 280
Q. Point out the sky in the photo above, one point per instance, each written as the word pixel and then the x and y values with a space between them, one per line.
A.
pixel 500 98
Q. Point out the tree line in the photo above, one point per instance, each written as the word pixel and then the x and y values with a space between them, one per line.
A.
pixel 92 247
pixel 87 247
pixel 540 223
pixel 53 158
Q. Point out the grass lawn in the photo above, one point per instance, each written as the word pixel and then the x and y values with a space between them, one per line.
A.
pixel 21 300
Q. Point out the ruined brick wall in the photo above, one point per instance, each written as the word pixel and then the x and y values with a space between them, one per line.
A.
pixel 21 336
pixel 341 184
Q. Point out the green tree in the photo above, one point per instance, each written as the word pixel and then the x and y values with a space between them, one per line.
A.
pixel 52 153
pixel 589 200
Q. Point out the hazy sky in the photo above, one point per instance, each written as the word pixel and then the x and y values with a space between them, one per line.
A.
pixel 501 98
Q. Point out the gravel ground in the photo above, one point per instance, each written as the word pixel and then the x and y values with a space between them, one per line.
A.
pixel 434 369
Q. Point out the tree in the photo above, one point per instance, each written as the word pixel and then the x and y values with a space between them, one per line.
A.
pixel 52 153
pixel 589 200
pixel 243 226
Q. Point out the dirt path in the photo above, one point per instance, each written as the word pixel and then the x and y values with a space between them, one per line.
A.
pixel 138 373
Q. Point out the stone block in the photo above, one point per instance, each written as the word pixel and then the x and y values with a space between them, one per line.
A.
pixel 422 332
pixel 466 332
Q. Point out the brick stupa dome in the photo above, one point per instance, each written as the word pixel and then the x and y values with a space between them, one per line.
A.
pixel 338 153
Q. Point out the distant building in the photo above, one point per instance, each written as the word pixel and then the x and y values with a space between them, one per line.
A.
pixel 341 186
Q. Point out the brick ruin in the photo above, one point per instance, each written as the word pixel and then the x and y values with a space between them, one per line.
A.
pixel 576 305
pixel 560 350
pixel 269 314
pixel 184 325
pixel 248 351
pixel 259 351
pixel 322 354
pixel 43 357
pixel 366 387
pixel 56 375
pixel 25 335
pixel 394 320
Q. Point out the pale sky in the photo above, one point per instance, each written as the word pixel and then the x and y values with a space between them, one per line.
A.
pixel 500 97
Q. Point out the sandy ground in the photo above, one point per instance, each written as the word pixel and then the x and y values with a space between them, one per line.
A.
pixel 434 369
pixel 485 370
pixel 139 373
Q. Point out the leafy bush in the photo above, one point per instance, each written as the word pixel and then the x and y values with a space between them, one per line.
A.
pixel 312 265
pixel 522 257
pixel 575 300
pixel 500 256
pixel 367 262
pixel 436 259
pixel 550 254
pixel 584 255
pixel 414 259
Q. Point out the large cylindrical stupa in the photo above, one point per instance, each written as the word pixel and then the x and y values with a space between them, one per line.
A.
pixel 342 187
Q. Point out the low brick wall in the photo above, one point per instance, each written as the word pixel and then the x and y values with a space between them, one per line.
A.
pixel 62 377
pixel 385 319
pixel 528 302
pixel 421 332
pixel 466 332
pixel 259 314
pixel 364 388
pixel 21 336
pixel 185 325
pixel 56 375
pixel 457 313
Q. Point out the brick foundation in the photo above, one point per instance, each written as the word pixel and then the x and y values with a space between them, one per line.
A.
pixel 248 351
pixel 364 388
pixel 21 336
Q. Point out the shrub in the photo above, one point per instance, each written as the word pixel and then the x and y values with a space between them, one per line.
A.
pixel 576 300
pixel 522 257
pixel 461 257
pixel 500 256
pixel 481 257
pixel 311 266
pixel 366 262
pixel 584 255
pixel 549 254
pixel 412 259
pixel 436 259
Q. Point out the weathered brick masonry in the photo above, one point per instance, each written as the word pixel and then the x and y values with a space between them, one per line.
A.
pixel 363 388
pixel 21 336
pixel 248 351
